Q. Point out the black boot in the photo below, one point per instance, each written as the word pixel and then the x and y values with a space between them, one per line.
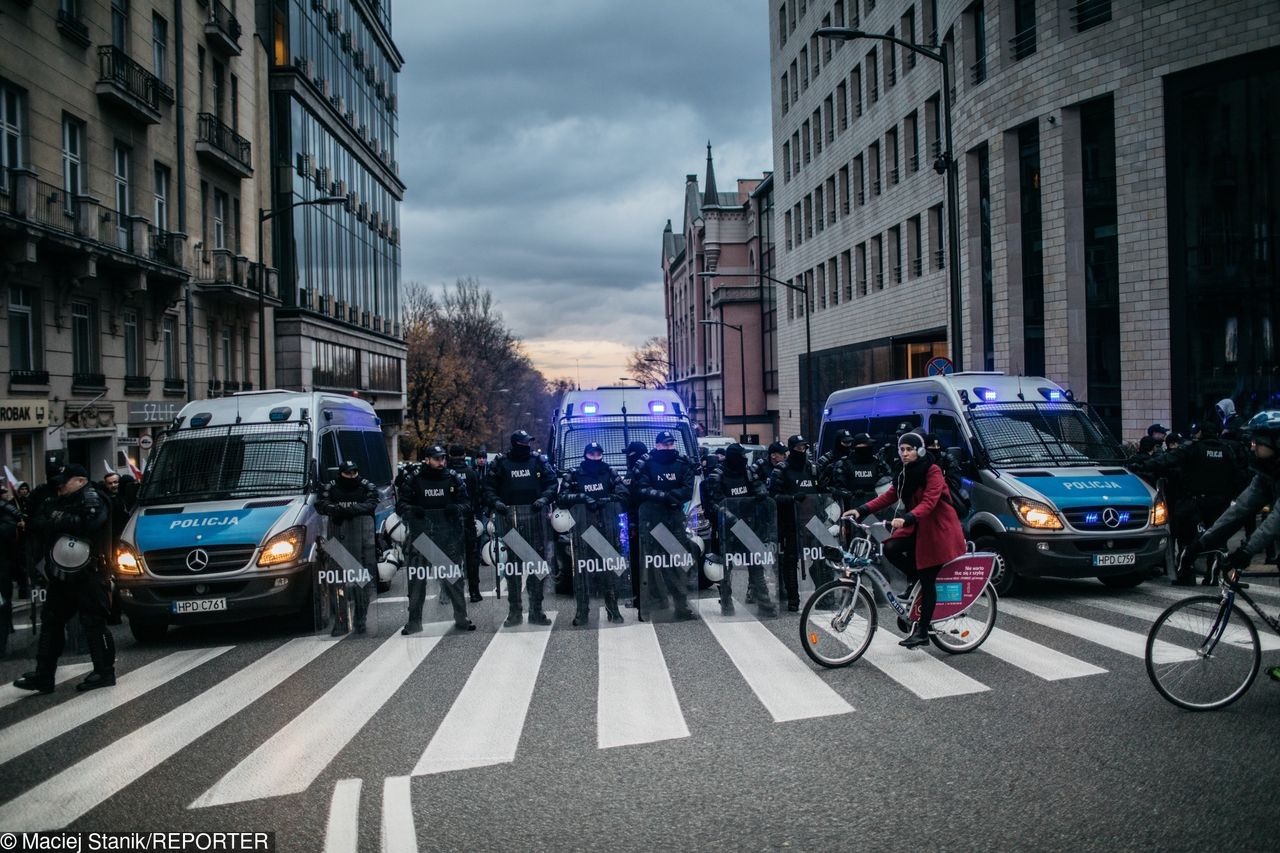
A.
pixel 35 681
pixel 580 618
pixel 413 626
pixel 537 617
pixel 919 637
pixel 514 617
pixel 95 680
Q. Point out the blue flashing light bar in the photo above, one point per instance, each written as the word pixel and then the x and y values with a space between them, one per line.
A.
pixel 1091 517
pixel 657 407
pixel 1124 518
pixel 590 408
pixel 985 395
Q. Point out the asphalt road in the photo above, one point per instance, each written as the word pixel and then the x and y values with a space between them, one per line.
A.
pixel 713 734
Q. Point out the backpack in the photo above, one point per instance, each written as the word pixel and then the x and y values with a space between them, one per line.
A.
pixel 958 495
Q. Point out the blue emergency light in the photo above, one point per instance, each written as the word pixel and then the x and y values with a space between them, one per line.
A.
pixel 1091 518
pixel 1053 395
pixel 986 395
pixel 590 408
pixel 657 407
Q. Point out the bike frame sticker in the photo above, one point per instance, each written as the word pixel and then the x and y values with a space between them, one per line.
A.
pixel 968 573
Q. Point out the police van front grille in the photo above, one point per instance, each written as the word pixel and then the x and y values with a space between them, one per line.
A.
pixel 221 558
pixel 1106 519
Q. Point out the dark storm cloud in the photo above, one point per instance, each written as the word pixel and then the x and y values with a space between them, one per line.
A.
pixel 545 144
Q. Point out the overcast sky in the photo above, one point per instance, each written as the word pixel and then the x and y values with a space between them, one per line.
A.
pixel 545 144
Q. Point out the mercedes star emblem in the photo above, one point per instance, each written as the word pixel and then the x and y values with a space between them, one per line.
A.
pixel 198 560
pixel 1110 518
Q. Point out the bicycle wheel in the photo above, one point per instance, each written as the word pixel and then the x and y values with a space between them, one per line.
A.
pixel 836 624
pixel 1187 677
pixel 966 631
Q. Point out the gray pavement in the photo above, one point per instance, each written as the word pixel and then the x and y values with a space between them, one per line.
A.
pixel 1003 757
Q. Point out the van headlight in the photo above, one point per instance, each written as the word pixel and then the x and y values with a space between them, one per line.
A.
pixel 284 547
pixel 127 562
pixel 1035 514
pixel 1159 513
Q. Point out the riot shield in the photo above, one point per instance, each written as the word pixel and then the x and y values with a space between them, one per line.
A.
pixel 345 580
pixel 668 569
pixel 523 563
pixel 814 517
pixel 435 567
pixel 597 557
pixel 749 541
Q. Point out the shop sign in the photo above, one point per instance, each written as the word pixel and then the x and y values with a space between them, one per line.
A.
pixel 24 414
pixel 153 412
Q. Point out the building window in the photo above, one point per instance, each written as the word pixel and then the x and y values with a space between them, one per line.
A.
pixel 932 126
pixel 805 137
pixel 817 132
pixel 855 89
pixel 842 103
pixel 786 94
pixel 11 136
pixel 984 247
pixel 24 328
pixel 976 43
pixel 235 103
pixel 228 353
pixel 795 81
pixel 335 366
pixel 860 180
pixel 877 261
pixel 219 219
pixel 384 372
pixel 890 62
pixel 844 190
pixel 1088 14
pixel 84 338
pixel 1032 249
pixel 244 356
pixel 935 237
pixel 819 213
pixel 873 76
pixel 786 226
pixel 908 26
pixel 169 345
pixel 829 117
pixel 873 154
pixel 911 134
pixel 120 24
pixel 1101 259
pixel 895 253
pixel 132 364
pixel 804 68
pixel 200 79
pixel 891 150
pixel 861 270
pixel 122 195
pixel 782 25
pixel 159 45
pixel 786 162
pixel 846 274
pixel 161 191
pixel 1023 43
pixel 72 162
pixel 915 260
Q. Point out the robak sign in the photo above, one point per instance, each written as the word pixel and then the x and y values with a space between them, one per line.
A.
pixel 24 414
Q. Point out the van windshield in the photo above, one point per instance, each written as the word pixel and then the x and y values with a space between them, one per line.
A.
pixel 224 463
pixel 1021 434
pixel 614 433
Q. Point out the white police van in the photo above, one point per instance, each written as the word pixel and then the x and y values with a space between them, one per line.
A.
pixel 613 417
pixel 226 527
pixel 1045 476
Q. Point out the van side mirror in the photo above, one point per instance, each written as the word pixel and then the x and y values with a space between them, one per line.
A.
pixel 330 474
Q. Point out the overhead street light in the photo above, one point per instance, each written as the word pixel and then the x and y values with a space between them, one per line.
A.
pixel 263 216
pixel 808 339
pixel 742 366
pixel 945 164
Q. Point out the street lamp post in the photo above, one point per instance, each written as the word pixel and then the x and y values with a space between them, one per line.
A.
pixel 808 340
pixel 263 216
pixel 944 165
pixel 742 365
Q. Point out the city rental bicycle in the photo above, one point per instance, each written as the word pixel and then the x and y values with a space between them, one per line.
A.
pixel 840 618
pixel 1203 652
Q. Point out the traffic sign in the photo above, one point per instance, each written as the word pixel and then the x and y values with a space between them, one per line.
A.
pixel 940 366
pixel 145 442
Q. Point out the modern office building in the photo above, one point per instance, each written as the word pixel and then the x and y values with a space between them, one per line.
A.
pixel 1118 197
pixel 333 118
pixel 132 159
pixel 720 330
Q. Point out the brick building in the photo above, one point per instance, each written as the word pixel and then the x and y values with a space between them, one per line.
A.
pixel 1117 198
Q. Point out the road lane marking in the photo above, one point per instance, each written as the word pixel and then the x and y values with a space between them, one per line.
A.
pixel 87 784
pixel 1041 661
pixel 10 694
pixel 399 835
pixel 484 723
pixel 915 669
pixel 342 832
pixel 636 701
pixel 1118 639
pixel 291 759
pixel 787 688
pixel 1268 641
pixel 60 719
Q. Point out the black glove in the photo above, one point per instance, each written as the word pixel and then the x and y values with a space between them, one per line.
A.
pixel 729 518
pixel 591 503
pixel 801 498
pixel 499 508
pixel 1239 559
pixel 673 501
pixel 540 503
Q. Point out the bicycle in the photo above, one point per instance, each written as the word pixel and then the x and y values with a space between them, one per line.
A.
pixel 840 617
pixel 1203 652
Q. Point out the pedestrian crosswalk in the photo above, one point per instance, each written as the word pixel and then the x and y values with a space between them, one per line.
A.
pixel 641 699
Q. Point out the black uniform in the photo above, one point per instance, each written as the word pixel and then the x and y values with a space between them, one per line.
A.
pixel 852 479
pixel 471 478
pixel 734 480
pixel 11 559
pixel 520 479
pixel 84 516
pixel 432 489
pixel 346 501
pixel 635 452
pixel 664 480
pixel 593 485
pixel 793 482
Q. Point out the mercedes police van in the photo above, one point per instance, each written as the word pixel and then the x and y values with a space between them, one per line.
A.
pixel 1047 480
pixel 226 527
pixel 613 417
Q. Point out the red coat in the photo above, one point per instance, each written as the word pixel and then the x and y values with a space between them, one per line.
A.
pixel 939 536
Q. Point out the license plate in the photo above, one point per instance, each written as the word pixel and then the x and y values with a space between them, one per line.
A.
pixel 203 605
pixel 1114 559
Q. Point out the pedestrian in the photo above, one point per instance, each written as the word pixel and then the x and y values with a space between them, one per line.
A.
pixel 927 536
pixel 663 482
pixel 435 487
pixel 350 502
pixel 793 483
pixel 72 528
pixel 520 478
pixel 733 482
pixel 595 486
pixel 458 465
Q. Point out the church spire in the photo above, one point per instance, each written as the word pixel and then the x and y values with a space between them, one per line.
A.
pixel 710 198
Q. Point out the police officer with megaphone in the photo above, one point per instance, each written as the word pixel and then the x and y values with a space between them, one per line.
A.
pixel 73 532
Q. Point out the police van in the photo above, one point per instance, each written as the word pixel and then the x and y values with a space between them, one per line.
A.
pixel 613 417
pixel 1046 478
pixel 226 526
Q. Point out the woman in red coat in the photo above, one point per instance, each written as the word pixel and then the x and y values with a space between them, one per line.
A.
pixel 928 535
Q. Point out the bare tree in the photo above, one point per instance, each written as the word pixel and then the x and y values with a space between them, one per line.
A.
pixel 649 363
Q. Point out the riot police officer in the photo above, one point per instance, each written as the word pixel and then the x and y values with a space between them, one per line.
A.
pixel 635 452
pixel 843 447
pixel 776 455
pixel 593 484
pixel 458 464
pixel 852 479
pixel 73 531
pixel 663 479
pixel 736 480
pixel 520 478
pixel 434 486
pixel 794 482
pixel 350 502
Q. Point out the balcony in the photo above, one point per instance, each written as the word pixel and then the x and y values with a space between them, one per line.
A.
pixel 223 147
pixel 174 386
pixel 230 386
pixel 73 27
pixel 165 247
pixel 220 273
pixel 28 379
pixel 222 30
pixel 40 202
pixel 1023 44
pixel 88 382
pixel 124 83
pixel 137 384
